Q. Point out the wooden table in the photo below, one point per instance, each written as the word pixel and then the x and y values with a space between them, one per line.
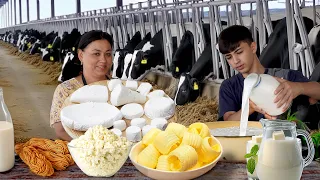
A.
pixel 223 171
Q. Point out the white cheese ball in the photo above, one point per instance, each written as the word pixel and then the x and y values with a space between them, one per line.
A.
pixel 132 110
pixel 117 132
pixel 159 123
pixel 140 122
pixel 120 124
pixel 133 133
pixel 146 129
pixel 159 107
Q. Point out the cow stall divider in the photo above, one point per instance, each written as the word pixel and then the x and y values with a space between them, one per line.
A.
pixel 179 16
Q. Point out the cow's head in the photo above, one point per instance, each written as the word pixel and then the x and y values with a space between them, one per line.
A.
pixel 71 67
pixel 35 47
pixel 188 90
pixel 184 57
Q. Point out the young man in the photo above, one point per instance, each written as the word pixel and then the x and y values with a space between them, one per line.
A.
pixel 237 45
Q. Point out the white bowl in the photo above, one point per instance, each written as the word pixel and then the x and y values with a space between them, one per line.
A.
pixel 81 117
pixel 167 175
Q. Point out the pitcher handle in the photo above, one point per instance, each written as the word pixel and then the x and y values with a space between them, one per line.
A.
pixel 310 145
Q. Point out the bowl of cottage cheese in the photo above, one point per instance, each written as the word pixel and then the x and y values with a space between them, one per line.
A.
pixel 100 152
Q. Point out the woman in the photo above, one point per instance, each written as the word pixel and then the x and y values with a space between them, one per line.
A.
pixel 95 54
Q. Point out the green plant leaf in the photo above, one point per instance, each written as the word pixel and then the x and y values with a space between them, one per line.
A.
pixel 254 150
pixel 251 165
pixel 248 155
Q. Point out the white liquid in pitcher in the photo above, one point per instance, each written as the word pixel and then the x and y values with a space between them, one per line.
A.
pixel 280 160
pixel 6 146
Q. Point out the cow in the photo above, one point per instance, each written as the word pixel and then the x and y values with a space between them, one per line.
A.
pixel 184 57
pixel 151 56
pixel 188 89
pixel 128 60
pixel 68 42
pixel 71 66
pixel 121 55
pixel 51 52
pixel 276 54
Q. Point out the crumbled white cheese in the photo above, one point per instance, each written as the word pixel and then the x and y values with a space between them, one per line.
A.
pixel 99 152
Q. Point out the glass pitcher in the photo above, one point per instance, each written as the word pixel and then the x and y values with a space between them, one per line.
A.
pixel 280 155
pixel 7 157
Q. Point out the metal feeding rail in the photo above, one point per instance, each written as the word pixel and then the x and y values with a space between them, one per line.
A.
pixel 177 17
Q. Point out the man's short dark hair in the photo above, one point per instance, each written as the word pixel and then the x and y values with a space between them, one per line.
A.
pixel 231 37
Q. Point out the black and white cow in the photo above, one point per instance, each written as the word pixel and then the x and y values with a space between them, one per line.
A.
pixel 68 42
pixel 71 66
pixel 188 89
pixel 276 54
pixel 128 60
pixel 124 55
pixel 151 56
pixel 184 57
pixel 51 52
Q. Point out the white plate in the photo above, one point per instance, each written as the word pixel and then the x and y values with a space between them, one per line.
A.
pixel 83 116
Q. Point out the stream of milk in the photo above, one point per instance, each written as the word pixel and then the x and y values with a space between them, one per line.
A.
pixel 249 84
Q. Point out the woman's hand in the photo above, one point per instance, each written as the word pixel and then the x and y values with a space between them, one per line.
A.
pixel 254 108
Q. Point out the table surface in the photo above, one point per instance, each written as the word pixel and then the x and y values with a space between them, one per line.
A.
pixel 223 171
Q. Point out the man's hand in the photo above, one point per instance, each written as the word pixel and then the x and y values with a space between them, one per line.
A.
pixel 286 92
pixel 254 108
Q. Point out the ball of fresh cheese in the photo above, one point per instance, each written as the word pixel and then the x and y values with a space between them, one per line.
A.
pixel 133 85
pixel 132 110
pixel 113 83
pixel 133 133
pixel 117 132
pixel 140 122
pixel 159 123
pixel 159 107
pixel 147 128
pixel 120 124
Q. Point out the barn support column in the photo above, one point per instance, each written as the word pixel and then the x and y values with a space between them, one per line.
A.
pixel 38 10
pixel 52 8
pixel 15 11
pixel 20 12
pixel 119 3
pixel 11 13
pixel 28 12
pixel 78 4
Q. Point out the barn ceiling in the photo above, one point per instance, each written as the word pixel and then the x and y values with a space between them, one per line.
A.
pixel 2 2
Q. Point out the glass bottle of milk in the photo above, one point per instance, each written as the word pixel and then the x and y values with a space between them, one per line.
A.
pixel 7 157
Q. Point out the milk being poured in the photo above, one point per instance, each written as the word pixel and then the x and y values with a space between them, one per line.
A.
pixel 260 89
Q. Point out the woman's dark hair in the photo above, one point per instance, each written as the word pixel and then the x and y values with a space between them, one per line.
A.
pixel 94 35
pixel 231 37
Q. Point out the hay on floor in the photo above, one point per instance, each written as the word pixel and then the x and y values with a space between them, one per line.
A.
pixel 202 110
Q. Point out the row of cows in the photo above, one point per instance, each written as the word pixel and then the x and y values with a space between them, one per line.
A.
pixel 143 54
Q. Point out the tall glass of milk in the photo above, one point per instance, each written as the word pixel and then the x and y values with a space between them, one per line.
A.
pixel 280 154
pixel 6 137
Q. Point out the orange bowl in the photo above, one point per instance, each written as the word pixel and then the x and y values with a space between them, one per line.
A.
pixel 163 175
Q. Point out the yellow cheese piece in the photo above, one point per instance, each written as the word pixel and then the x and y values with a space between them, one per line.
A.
pixel 149 156
pixel 182 158
pixel 278 135
pixel 200 128
pixel 192 139
pixel 165 142
pixel 209 150
pixel 176 128
pixel 150 136
pixel 163 163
